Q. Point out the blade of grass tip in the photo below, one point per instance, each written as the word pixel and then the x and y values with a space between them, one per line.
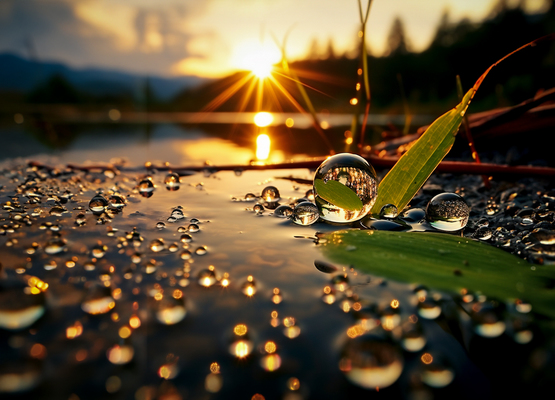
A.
pixel 364 56
pixel 408 175
pixel 408 117
pixel 469 137
pixel 293 76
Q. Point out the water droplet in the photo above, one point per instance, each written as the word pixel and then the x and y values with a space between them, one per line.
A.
pixel 157 245
pixel 98 300
pixel 207 277
pixel 21 305
pixel 371 361
pixel 98 204
pixel 358 175
pixel 258 208
pixel 340 282
pixel 201 250
pixel 305 213
pixel 146 187
pixel 176 215
pixel 389 211
pixel 99 250
pixel 270 194
pixel 283 211
pixel 170 310
pixel 160 225
pixel 172 181
pixel 488 320
pixel 173 248
pixel 435 371
pixel 193 228
pixel 249 287
pixel 429 308
pixel 413 338
pixel 447 212
pixel 482 233
pixel 55 246
pixel 186 238
pixel 116 202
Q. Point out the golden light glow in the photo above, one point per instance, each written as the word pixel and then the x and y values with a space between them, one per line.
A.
pixel 263 118
pixel 240 329
pixel 74 331
pixel 215 368
pixel 241 348
pixel 270 347
pixel 427 358
pixel 395 303
pixel 271 362
pixel 263 143
pixel 353 101
pixel 289 122
pixel 254 56
pixel 124 332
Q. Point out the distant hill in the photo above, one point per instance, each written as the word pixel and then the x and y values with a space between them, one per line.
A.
pixel 18 74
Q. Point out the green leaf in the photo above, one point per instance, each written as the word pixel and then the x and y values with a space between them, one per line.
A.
pixel 338 194
pixel 444 262
pixel 413 169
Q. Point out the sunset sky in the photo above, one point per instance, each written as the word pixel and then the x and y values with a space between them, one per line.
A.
pixel 210 38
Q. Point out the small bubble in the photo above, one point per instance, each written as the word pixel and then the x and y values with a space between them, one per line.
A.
pixel 146 187
pixel 283 211
pixel 116 202
pixel 98 204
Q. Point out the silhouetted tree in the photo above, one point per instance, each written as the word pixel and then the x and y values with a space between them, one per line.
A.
pixel 396 41
pixel 330 52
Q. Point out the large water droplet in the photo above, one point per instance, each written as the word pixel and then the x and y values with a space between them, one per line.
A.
pixel 305 213
pixel 436 371
pixel 116 202
pixel 172 181
pixel 270 194
pixel 447 212
pixel 157 245
pixel 207 277
pixel 98 204
pixel 354 172
pixel 146 187
pixel 488 319
pixel 371 362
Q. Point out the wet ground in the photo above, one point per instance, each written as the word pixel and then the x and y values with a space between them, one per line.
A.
pixel 188 293
pixel 154 290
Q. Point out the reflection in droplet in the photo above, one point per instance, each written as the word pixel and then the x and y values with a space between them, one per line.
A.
pixel 258 208
pixel 371 362
pixel 413 338
pixel 98 300
pixel 447 212
pixel 172 181
pixel 176 215
pixel 193 228
pixel 356 174
pixel 116 202
pixel 120 354
pixel 305 213
pixel 249 287
pixel 146 187
pixel 270 194
pixel 160 225
pixel 98 204
pixel 207 277
pixel 389 211
pixel 283 211
pixel 99 250
pixel 488 319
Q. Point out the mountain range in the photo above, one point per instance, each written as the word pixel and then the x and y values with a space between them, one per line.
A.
pixel 18 74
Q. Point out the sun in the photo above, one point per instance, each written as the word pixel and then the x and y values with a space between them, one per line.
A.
pixel 259 58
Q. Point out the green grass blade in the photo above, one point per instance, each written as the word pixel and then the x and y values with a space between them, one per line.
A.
pixel 413 169
pixel 338 194
pixel 432 259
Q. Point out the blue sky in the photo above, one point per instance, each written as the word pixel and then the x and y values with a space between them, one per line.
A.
pixel 209 37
